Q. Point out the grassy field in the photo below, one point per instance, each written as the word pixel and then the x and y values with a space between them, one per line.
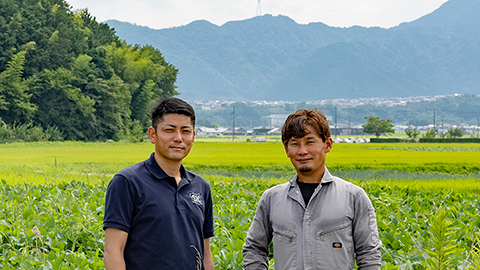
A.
pixel 38 162
pixel 425 195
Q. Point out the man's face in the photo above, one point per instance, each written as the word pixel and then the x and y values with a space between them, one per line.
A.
pixel 308 153
pixel 173 137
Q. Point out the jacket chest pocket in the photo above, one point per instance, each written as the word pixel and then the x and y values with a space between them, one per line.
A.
pixel 335 249
pixel 284 249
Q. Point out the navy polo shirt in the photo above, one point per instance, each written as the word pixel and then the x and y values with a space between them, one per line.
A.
pixel 166 223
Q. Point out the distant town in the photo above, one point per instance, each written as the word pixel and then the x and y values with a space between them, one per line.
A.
pixel 354 130
pixel 344 103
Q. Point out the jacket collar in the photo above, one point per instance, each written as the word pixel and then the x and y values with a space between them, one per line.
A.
pixel 294 190
pixel 327 178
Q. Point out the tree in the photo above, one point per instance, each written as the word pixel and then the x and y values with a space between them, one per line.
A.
pixel 412 133
pixel 378 126
pixel 206 123
pixel 61 69
pixel 15 102
pixel 429 134
pixel 455 132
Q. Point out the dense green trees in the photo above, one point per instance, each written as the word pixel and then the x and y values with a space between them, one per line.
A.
pixel 61 70
pixel 378 126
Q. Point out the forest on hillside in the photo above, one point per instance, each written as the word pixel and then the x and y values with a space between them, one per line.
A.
pixel 63 75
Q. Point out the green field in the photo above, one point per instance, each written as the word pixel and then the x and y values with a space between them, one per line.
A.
pixel 425 195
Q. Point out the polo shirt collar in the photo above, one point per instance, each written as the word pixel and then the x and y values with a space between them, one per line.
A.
pixel 157 171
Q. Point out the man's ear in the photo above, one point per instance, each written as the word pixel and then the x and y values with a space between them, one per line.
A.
pixel 151 134
pixel 328 144
pixel 285 146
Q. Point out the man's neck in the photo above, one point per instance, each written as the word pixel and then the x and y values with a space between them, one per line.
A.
pixel 311 177
pixel 171 168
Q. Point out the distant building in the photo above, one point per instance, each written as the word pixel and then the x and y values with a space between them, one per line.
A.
pixel 347 130
pixel 211 132
pixel 262 130
pixel 238 132
pixel 276 120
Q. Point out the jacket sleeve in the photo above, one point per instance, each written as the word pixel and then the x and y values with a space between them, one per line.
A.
pixel 255 249
pixel 365 234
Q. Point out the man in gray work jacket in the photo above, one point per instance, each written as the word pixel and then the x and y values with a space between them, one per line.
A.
pixel 316 220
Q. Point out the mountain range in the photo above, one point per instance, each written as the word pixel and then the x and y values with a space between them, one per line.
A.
pixel 274 58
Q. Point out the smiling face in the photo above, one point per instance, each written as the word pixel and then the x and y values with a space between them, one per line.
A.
pixel 308 154
pixel 173 138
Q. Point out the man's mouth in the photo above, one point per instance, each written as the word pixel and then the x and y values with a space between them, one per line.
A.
pixel 177 147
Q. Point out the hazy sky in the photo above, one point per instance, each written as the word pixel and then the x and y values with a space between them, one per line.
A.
pixel 160 14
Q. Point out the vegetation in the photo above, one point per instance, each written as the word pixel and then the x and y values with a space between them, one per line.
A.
pixel 378 126
pixel 430 134
pixel 53 193
pixel 412 133
pixel 455 132
pixel 62 70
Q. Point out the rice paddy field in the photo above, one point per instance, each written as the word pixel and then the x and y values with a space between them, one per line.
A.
pixel 426 198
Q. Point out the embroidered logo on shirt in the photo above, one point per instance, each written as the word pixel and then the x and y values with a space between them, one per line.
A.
pixel 196 198
pixel 337 245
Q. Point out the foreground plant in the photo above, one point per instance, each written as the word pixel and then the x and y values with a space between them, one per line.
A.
pixel 442 255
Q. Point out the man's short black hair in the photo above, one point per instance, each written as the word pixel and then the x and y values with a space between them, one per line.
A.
pixel 169 106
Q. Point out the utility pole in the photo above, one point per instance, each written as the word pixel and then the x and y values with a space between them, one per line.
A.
pixel 434 129
pixel 442 126
pixel 477 125
pixel 349 127
pixel 335 122
pixel 259 9
pixel 233 138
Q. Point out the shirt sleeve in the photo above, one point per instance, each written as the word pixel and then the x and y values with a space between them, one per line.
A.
pixel 259 236
pixel 367 242
pixel 208 227
pixel 119 204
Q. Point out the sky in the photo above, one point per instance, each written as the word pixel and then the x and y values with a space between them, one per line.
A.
pixel 159 14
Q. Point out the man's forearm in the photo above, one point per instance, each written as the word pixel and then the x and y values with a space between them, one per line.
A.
pixel 208 259
pixel 114 261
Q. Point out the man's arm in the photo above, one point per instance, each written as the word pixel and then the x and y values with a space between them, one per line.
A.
pixel 115 241
pixel 208 259
pixel 365 234
pixel 259 236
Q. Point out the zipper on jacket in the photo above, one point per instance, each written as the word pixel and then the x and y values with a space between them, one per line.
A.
pixel 327 232
pixel 287 236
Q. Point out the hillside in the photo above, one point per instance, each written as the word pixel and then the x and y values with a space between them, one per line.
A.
pixel 274 58
pixel 64 73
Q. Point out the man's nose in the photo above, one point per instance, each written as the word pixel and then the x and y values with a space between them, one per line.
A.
pixel 177 136
pixel 302 150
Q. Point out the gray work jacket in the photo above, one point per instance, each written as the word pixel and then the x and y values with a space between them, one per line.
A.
pixel 337 227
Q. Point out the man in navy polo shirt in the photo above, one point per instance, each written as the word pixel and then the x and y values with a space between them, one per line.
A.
pixel 157 214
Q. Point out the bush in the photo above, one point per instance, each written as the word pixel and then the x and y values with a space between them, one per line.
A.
pixel 28 133
pixel 449 140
